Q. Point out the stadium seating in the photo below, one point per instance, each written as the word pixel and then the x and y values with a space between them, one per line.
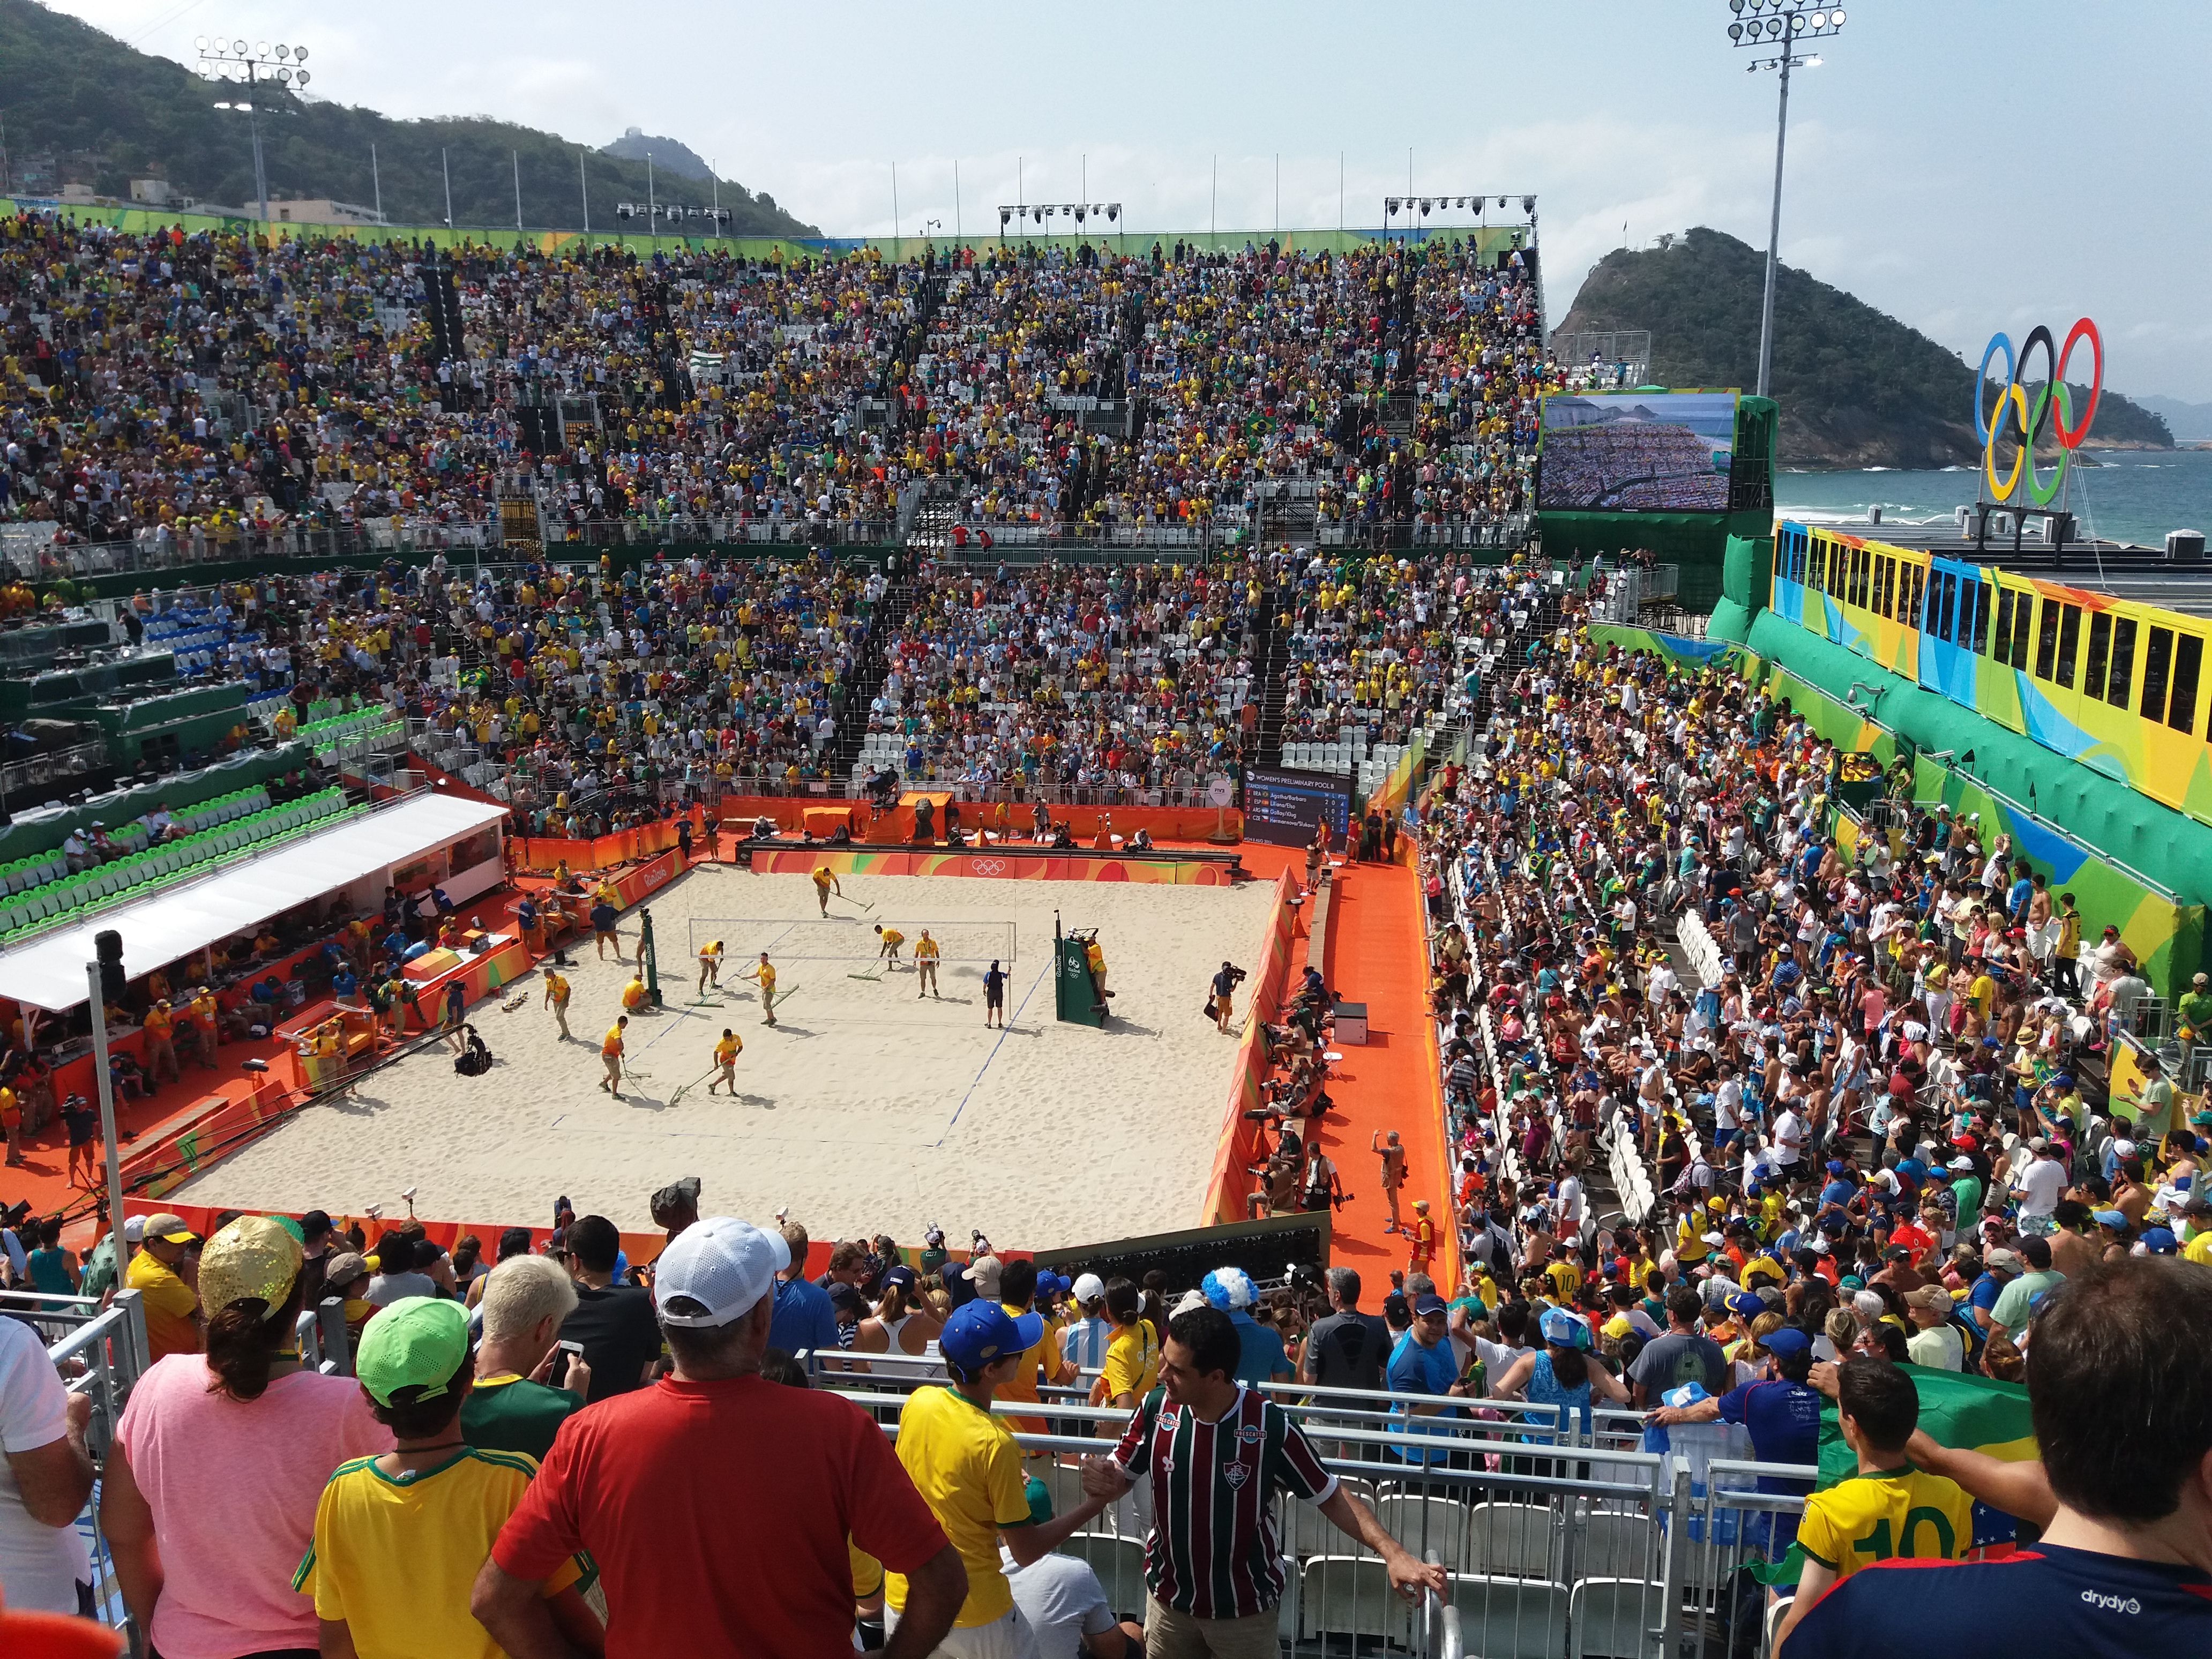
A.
pixel 238 822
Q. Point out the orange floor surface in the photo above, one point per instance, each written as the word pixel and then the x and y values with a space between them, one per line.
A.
pixel 1375 955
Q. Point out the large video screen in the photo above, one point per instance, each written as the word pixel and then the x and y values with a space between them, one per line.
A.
pixel 1636 451
pixel 1283 808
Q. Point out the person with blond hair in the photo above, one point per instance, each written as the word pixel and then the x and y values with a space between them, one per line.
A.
pixel 512 1408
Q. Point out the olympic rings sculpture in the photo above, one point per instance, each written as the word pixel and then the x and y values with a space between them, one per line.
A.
pixel 2024 421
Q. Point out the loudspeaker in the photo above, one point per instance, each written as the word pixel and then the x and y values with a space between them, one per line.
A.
pixel 108 948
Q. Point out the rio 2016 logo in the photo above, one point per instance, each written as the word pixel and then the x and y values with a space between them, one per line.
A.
pixel 2023 420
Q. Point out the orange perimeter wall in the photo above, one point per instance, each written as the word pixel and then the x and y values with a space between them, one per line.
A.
pixel 1239 1141
pixel 797 813
pixel 1008 865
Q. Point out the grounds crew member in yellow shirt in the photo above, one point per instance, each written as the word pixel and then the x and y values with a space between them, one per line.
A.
pixel 766 976
pixel 1889 1510
pixel 967 1468
pixel 399 1538
pixel 824 883
pixel 892 940
pixel 556 999
pixel 610 1051
pixel 926 953
pixel 710 965
pixel 161 1055
pixel 726 1060
pixel 635 995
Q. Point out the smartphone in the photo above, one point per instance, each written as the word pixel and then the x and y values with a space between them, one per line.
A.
pixel 575 1351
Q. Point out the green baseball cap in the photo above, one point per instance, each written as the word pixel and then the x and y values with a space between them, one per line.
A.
pixel 419 1341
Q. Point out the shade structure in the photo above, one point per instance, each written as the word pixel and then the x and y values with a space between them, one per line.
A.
pixel 48 971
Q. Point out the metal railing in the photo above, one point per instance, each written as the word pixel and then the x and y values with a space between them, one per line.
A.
pixel 1554 1542
pixel 1628 590
pixel 101 1354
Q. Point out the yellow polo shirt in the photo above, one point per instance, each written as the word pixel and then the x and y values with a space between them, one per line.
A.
pixel 168 1301
pixel 966 1466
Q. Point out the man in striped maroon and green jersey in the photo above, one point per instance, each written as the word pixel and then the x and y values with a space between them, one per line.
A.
pixel 1216 1453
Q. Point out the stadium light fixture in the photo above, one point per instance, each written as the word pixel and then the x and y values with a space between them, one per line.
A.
pixel 1790 23
pixel 254 66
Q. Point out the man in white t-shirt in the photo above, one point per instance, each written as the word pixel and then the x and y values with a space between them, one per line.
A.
pixel 1728 1109
pixel 1063 1602
pixel 1570 1206
pixel 2039 1187
pixel 45 1476
pixel 1789 1139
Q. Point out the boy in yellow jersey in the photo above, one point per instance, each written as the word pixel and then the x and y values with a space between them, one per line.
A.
pixel 824 884
pixel 892 940
pixel 926 953
pixel 556 999
pixel 710 965
pixel 765 975
pixel 726 1059
pixel 966 1465
pixel 1889 1510
pixel 611 1053
pixel 373 1595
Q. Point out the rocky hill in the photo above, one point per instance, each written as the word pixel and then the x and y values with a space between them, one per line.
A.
pixel 81 107
pixel 1857 387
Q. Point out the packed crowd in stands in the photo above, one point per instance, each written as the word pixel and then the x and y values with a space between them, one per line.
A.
pixel 1248 365
pixel 1851 1107
pixel 188 392
pixel 1870 1081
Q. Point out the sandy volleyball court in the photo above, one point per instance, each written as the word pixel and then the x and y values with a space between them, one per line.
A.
pixel 865 1108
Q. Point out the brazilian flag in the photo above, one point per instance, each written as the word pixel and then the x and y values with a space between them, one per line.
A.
pixel 1957 1409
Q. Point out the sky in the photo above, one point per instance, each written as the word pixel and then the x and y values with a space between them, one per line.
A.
pixel 1967 165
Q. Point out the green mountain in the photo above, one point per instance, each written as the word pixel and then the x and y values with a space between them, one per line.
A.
pixel 80 107
pixel 1857 387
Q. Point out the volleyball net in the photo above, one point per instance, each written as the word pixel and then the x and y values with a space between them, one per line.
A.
pixel 855 942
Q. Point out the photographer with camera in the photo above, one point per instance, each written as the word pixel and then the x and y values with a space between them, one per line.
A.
pixel 1224 994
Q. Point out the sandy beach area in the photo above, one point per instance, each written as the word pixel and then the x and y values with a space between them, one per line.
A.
pixel 865 1108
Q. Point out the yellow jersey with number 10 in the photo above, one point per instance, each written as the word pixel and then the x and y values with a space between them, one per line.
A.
pixel 1896 1513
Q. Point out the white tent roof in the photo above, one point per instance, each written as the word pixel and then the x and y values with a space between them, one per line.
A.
pixel 48 971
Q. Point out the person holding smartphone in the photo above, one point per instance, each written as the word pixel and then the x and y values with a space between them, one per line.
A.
pixel 528 1381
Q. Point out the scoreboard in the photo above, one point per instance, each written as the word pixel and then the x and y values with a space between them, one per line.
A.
pixel 1283 808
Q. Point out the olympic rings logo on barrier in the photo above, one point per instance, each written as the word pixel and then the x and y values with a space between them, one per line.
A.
pixel 986 867
pixel 2015 417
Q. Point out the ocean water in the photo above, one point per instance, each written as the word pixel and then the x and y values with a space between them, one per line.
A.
pixel 2134 496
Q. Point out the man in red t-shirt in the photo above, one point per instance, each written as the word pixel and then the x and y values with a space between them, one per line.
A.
pixel 717 1504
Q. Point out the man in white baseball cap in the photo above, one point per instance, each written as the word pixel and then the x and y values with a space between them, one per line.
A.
pixel 718 1504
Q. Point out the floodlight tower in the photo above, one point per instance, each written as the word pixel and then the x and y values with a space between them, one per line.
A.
pixel 252 66
pixel 1781 25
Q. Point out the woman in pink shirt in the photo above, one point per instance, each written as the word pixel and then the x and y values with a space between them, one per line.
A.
pixel 209 1492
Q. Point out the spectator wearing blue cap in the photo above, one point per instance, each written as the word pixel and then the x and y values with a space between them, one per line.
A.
pixel 1262 1357
pixel 1424 1363
pixel 966 1465
pixel 1781 1411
